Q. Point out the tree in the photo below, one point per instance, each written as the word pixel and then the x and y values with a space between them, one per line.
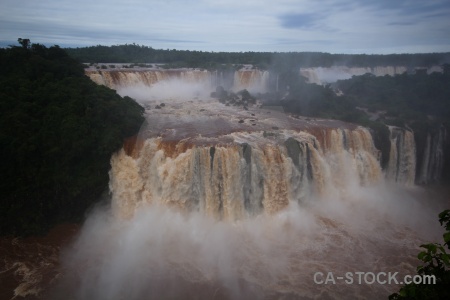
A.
pixel 59 130
pixel 24 42
pixel 437 263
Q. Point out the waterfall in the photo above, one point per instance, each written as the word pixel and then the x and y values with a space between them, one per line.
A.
pixel 322 75
pixel 402 157
pixel 130 78
pixel 433 157
pixel 204 205
pixel 253 80
pixel 238 179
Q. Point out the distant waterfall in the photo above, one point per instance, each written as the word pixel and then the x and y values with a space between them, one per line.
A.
pixel 253 80
pixel 128 78
pixel 322 75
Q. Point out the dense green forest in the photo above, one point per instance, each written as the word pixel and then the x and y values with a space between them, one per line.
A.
pixel 401 99
pixel 58 131
pixel 132 53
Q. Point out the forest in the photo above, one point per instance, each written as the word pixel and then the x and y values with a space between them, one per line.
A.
pixel 59 130
pixel 132 53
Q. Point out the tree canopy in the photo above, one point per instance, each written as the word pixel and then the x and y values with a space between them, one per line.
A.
pixel 278 61
pixel 58 131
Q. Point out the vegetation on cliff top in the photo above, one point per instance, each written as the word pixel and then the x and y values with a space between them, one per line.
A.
pixel 418 101
pixel 132 53
pixel 59 130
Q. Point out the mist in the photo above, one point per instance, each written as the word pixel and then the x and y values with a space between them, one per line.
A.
pixel 165 253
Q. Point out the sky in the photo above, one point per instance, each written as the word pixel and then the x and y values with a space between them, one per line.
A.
pixel 338 26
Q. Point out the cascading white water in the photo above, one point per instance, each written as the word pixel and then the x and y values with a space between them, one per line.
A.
pixel 243 177
pixel 128 78
pixel 433 157
pixel 402 156
pixel 248 215
pixel 253 80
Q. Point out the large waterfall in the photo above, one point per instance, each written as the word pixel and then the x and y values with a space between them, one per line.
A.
pixel 211 201
pixel 252 172
pixel 401 167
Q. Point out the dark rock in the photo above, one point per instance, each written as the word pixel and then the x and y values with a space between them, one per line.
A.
pixel 241 121
pixel 158 107
pixel 275 127
pixel 220 93
pixel 162 104
pixel 266 134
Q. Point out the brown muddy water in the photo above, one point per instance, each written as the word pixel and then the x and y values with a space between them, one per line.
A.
pixel 165 254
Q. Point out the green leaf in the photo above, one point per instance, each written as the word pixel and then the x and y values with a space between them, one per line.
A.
pixel 421 255
pixel 444 217
pixel 443 214
pixel 446 237
pixel 432 248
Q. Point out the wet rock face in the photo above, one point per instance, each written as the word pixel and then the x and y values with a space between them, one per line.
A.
pixel 241 99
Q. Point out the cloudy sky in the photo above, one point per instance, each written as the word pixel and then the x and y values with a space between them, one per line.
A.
pixel 335 26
